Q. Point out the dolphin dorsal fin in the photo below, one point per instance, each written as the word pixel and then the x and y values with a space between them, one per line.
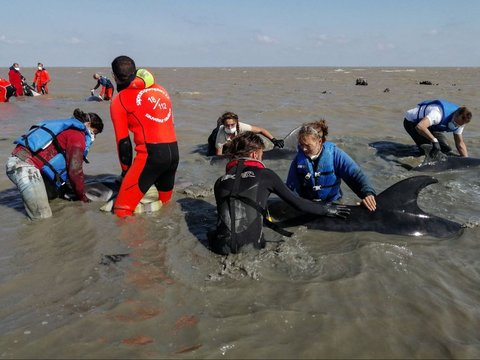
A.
pixel 403 195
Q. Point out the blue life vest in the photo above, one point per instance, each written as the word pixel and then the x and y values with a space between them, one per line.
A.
pixel 105 82
pixel 323 184
pixel 44 134
pixel 448 109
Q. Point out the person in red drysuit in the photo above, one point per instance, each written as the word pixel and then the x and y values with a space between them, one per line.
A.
pixel 41 79
pixel 145 109
pixel 6 90
pixel 16 79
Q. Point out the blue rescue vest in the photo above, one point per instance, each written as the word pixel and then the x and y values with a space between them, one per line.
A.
pixel 316 184
pixel 42 135
pixel 448 109
pixel 105 82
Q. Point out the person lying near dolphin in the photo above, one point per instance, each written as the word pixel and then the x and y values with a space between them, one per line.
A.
pixel 241 196
pixel 319 167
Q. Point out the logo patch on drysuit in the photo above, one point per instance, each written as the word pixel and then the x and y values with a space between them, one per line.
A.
pixel 243 175
pixel 159 111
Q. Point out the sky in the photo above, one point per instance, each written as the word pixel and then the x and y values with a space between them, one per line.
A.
pixel 241 33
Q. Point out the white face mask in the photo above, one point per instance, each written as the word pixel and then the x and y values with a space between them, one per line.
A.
pixel 231 130
pixel 40 68
pixel 92 134
pixel 17 68
pixel 452 125
pixel 313 157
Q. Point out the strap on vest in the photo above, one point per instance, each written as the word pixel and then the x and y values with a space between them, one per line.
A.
pixel 57 147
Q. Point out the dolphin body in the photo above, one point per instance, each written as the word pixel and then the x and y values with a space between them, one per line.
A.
pixel 93 98
pixel 397 213
pixel 387 149
pixel 445 162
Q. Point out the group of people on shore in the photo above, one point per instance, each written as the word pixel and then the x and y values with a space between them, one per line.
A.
pixel 17 84
pixel 51 155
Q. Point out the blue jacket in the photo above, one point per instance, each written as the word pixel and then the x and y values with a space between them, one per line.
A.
pixel 102 80
pixel 448 109
pixel 42 135
pixel 322 179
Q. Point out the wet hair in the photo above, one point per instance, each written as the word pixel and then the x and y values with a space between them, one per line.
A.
pixel 95 121
pixel 243 144
pixel 227 116
pixel 123 67
pixel 319 129
pixel 464 114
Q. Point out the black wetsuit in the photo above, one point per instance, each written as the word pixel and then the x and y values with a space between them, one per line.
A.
pixel 241 196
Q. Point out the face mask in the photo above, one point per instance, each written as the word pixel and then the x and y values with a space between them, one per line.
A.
pixel 92 134
pixel 231 130
pixel 39 68
pixel 452 125
pixel 17 68
pixel 314 157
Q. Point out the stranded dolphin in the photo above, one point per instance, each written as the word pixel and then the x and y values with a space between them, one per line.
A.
pixel 386 150
pixel 104 188
pixel 397 213
pixel 445 162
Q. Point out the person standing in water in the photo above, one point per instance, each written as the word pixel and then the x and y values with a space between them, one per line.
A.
pixel 143 108
pixel 16 79
pixel 41 79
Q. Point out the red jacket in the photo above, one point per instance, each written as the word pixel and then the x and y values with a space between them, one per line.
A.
pixel 41 77
pixel 5 90
pixel 146 112
pixel 73 142
pixel 16 80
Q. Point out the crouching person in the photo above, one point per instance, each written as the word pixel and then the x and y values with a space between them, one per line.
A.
pixel 48 157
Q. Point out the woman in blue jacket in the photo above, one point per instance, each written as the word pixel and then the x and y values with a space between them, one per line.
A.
pixel 320 166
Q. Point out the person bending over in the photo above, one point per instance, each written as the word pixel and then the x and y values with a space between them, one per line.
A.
pixel 319 167
pixel 242 193
pixel 230 127
pixel 49 158
pixel 431 119
pixel 106 93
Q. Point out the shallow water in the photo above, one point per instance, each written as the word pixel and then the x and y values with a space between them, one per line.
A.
pixel 316 295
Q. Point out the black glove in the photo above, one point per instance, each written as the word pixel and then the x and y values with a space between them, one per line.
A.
pixel 435 149
pixel 340 211
pixel 33 85
pixel 277 143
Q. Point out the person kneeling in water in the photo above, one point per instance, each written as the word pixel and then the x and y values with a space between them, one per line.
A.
pixel 242 194
pixel 49 157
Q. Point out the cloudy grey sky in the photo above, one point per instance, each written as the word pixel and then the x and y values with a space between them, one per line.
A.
pixel 224 33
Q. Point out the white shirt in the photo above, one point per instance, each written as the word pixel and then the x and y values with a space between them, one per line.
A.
pixel 432 112
pixel 223 137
